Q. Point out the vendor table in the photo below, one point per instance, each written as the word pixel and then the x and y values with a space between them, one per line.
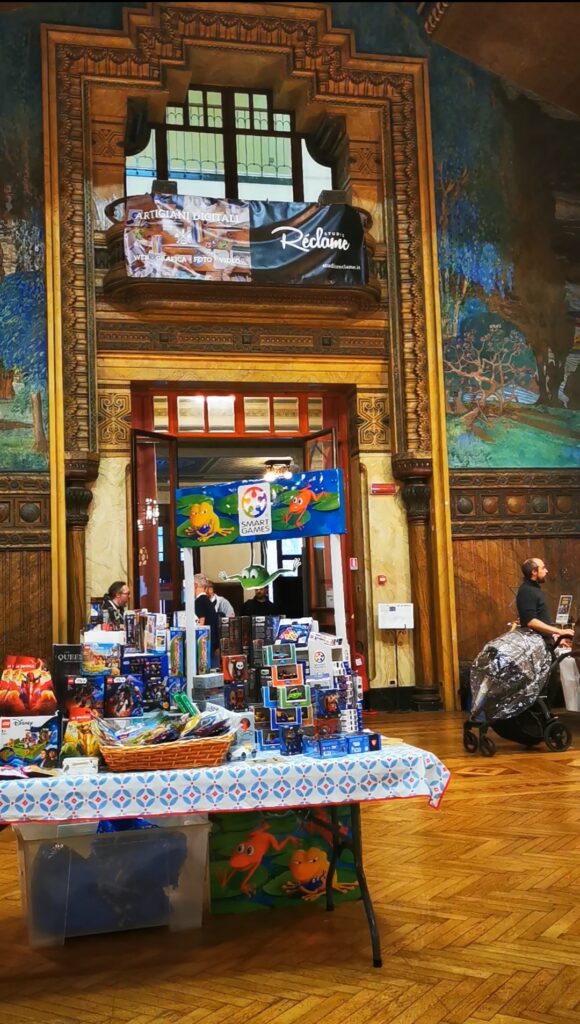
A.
pixel 398 771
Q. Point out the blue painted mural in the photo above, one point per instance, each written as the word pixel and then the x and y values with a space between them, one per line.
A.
pixel 23 355
pixel 507 188
pixel 507 181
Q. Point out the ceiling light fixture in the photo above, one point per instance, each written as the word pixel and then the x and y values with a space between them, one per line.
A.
pixel 279 469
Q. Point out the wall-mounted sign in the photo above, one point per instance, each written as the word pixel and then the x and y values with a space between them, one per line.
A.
pixel 306 505
pixel 396 616
pixel 198 239
pixel 384 488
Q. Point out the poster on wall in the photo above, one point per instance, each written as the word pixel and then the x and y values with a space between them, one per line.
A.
pixel 200 239
pixel 307 505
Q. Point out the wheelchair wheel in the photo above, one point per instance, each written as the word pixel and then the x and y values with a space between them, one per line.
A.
pixel 557 736
pixel 486 746
pixel 470 741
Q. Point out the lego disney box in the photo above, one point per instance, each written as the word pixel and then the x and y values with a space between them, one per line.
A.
pixel 30 741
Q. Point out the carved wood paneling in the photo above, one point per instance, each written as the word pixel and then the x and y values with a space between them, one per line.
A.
pixel 370 429
pixel 119 336
pixel 114 421
pixel 25 596
pixel 24 512
pixel 509 503
pixel 487 575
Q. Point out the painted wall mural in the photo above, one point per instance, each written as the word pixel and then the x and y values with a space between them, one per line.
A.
pixel 508 202
pixel 507 180
pixel 23 355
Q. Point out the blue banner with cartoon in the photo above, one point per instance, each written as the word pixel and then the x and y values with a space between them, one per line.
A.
pixel 309 504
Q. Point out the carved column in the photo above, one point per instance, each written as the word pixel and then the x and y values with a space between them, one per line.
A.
pixel 415 474
pixel 79 472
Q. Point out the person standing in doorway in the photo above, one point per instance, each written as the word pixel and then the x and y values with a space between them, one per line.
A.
pixel 260 604
pixel 221 604
pixel 207 615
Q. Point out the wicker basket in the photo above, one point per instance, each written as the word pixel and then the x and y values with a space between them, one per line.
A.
pixel 193 753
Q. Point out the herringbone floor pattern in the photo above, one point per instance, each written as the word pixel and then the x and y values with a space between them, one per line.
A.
pixel 478 905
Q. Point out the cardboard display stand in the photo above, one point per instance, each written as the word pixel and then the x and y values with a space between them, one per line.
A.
pixel 310 504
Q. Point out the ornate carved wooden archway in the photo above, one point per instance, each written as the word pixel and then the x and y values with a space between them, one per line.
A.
pixel 160 42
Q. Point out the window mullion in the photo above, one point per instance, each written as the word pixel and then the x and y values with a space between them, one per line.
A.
pixel 230 150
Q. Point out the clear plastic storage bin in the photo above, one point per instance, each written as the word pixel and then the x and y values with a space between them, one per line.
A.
pixel 75 881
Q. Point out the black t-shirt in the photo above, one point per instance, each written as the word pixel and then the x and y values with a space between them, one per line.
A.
pixel 255 607
pixel 205 610
pixel 531 603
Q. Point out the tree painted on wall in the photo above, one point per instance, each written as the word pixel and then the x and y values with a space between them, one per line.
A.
pixel 485 366
pixel 23 369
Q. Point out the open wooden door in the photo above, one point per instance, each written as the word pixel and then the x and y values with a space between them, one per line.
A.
pixel 320 452
pixel 157 569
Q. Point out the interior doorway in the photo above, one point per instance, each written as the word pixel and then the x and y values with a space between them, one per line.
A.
pixel 164 461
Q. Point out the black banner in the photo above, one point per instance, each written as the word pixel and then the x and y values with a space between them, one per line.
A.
pixel 195 238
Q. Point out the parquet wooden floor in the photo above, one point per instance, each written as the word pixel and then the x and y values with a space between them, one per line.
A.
pixel 478 905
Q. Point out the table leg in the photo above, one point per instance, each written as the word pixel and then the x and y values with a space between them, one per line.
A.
pixel 337 848
pixel 360 874
pixel 342 842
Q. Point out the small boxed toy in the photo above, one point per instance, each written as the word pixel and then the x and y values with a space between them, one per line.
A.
pixel 293 696
pixel 124 696
pixel 148 666
pixel 156 694
pixel 351 720
pixel 26 687
pixel 246 731
pixel 326 703
pixel 262 716
pixel 270 696
pixel 295 631
pixel 268 739
pixel 358 743
pixel 66 661
pixel 375 741
pixel 287 673
pixel 332 746
pixel 290 740
pixel 85 696
pixel 175 685
pixel 326 727
pixel 79 740
pixel 279 654
pixel 203 648
pixel 310 746
pixel 176 652
pixel 285 716
pixel 130 620
pixel 33 740
pixel 325 653
pixel 307 716
pixel 235 696
pixel 235 668
pixel 101 659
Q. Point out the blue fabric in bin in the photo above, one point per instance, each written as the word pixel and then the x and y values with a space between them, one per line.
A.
pixel 120 885
pixel 124 825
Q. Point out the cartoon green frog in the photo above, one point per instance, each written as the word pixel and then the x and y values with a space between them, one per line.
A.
pixel 255 576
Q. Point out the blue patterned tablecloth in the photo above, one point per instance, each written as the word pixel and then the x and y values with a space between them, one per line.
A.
pixel 397 771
